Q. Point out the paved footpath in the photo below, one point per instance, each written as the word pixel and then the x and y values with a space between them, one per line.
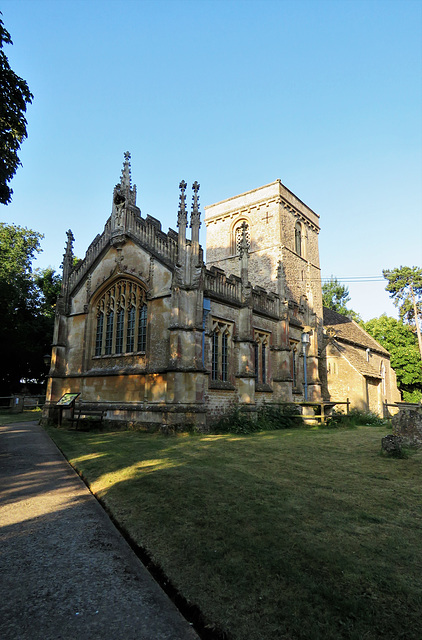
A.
pixel 66 573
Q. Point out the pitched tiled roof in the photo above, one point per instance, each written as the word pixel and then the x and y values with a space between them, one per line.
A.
pixel 348 330
pixel 357 360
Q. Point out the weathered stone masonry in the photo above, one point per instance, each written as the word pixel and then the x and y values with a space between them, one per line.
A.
pixel 151 334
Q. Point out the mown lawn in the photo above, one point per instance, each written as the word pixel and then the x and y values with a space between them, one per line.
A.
pixel 6 417
pixel 299 534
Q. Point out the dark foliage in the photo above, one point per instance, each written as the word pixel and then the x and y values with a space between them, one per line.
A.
pixel 268 418
pixel 355 418
pixel 27 318
pixel 14 97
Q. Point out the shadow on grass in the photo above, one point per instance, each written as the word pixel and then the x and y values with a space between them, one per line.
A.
pixel 278 534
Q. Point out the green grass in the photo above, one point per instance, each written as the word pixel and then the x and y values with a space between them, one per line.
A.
pixel 301 534
pixel 6 417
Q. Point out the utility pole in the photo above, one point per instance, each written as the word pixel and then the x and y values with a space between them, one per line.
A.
pixel 418 329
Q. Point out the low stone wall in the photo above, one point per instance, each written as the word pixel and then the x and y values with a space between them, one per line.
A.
pixel 151 417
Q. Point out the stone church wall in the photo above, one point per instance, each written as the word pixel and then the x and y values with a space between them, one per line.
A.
pixel 213 335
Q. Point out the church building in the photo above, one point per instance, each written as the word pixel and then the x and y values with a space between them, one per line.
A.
pixel 154 336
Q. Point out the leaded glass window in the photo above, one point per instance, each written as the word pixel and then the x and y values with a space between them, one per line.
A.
pixel 262 343
pixel 220 350
pixel 119 330
pixel 109 333
pixel 294 364
pixel 99 334
pixel 264 363
pixel 142 329
pixel 130 337
pixel 214 372
pixel 224 357
pixel 121 319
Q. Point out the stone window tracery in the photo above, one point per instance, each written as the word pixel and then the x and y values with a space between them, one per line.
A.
pixel 220 347
pixel 262 348
pixel 238 235
pixel 294 363
pixel 121 316
pixel 119 330
pixel 130 334
pixel 142 328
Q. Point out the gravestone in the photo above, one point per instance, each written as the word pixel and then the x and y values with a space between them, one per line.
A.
pixel 407 424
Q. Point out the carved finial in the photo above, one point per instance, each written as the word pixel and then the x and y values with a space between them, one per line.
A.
pixel 243 244
pixel 182 216
pixel 68 253
pixel 67 263
pixel 124 193
pixel 126 179
pixel 195 216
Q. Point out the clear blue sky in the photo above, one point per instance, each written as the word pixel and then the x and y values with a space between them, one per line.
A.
pixel 324 94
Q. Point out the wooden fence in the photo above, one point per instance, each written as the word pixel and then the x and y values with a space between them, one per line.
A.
pixel 19 404
pixel 325 409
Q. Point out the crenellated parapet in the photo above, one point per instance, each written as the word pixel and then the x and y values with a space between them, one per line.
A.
pixel 126 222
pixel 146 232
pixel 219 286
pixel 93 252
pixel 222 287
pixel 265 302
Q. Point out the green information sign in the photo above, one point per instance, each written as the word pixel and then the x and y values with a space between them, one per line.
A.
pixel 67 399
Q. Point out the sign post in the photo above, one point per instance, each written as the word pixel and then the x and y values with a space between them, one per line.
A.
pixel 67 401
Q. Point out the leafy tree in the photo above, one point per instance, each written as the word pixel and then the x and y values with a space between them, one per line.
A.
pixel 18 247
pixel 401 342
pixel 14 96
pixel 26 301
pixel 401 282
pixel 335 296
pixel 49 283
pixel 405 287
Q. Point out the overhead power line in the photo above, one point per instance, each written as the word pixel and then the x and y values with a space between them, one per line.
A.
pixel 351 279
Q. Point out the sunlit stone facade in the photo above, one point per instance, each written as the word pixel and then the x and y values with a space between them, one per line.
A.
pixel 149 333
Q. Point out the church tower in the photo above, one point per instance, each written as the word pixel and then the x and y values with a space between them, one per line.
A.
pixel 282 233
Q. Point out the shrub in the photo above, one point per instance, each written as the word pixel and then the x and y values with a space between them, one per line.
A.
pixel 412 396
pixel 267 418
pixel 273 417
pixel 355 418
pixel 235 420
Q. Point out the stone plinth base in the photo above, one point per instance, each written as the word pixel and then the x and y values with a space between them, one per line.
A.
pixel 163 417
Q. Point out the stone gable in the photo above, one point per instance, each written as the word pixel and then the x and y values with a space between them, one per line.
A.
pixel 148 332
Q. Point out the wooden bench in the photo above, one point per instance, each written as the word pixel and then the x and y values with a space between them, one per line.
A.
pixel 80 414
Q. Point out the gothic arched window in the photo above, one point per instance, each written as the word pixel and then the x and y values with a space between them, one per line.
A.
pixel 220 350
pixel 238 235
pixel 262 343
pixel 294 363
pixel 298 238
pixel 121 319
pixel 142 328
